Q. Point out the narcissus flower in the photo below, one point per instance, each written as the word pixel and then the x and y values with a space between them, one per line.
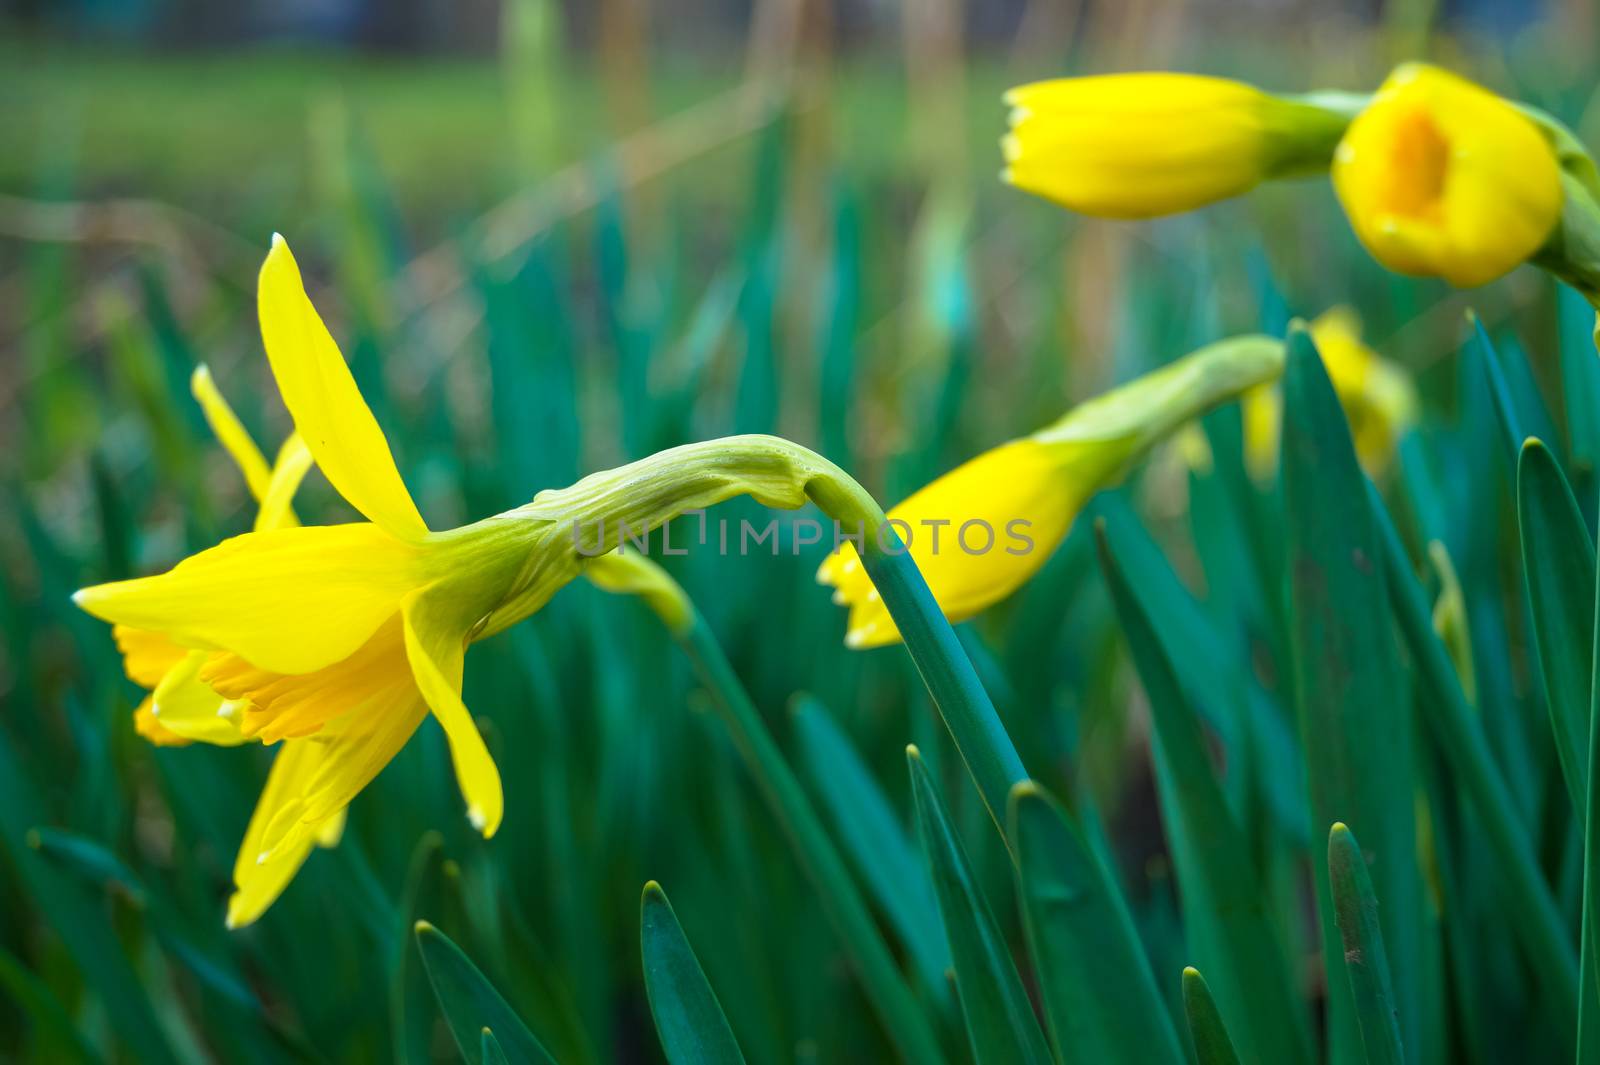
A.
pixel 1141 145
pixel 338 640
pixel 1379 399
pixel 1440 177
pixel 980 531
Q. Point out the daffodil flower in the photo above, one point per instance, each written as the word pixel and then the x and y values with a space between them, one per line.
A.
pixel 1378 397
pixel 981 531
pixel 1141 145
pixel 338 640
pixel 1440 177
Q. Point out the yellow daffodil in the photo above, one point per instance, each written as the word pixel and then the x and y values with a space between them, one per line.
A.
pixel 1379 399
pixel 1440 177
pixel 338 640
pixel 980 531
pixel 1141 145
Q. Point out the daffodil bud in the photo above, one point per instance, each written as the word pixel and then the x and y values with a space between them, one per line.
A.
pixel 1440 177
pixel 981 531
pixel 1141 145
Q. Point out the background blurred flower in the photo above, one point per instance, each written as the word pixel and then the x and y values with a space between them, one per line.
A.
pixel 1378 397
pixel 1140 145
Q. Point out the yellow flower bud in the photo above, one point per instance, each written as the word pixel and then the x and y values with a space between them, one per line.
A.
pixel 1443 178
pixel 1141 145
pixel 982 530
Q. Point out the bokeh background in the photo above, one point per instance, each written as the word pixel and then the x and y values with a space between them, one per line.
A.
pixel 552 237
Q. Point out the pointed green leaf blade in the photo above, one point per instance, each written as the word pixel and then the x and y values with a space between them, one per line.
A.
pixel 1558 569
pixel 470 1003
pixel 1365 960
pixel 875 838
pixel 1000 1021
pixel 1111 1010
pixel 1225 908
pixel 1211 1043
pixel 689 1019
pixel 1532 910
pixel 1355 717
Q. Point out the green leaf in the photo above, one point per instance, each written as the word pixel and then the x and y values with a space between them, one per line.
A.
pixel 1000 1021
pixel 470 1003
pixel 1110 1010
pixel 1531 909
pixel 1355 716
pixel 1224 905
pixel 1365 961
pixel 1517 407
pixel 903 1017
pixel 875 838
pixel 1211 1043
pixel 78 916
pixel 959 696
pixel 1589 925
pixel 1559 575
pixel 1580 377
pixel 688 1018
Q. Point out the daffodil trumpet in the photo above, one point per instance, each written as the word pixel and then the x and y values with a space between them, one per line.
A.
pixel 338 640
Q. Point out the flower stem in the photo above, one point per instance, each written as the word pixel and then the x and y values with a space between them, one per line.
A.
pixel 946 671
pixel 903 1019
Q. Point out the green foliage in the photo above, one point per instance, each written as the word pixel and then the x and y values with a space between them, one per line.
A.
pixel 688 1016
pixel 471 1006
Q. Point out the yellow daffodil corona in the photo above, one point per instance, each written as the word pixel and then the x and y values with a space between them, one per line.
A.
pixel 1141 145
pixel 1378 397
pixel 980 531
pixel 1440 177
pixel 337 640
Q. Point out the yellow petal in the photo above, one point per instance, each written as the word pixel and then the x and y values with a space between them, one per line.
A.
pixel 436 649
pixel 146 655
pixel 258 883
pixel 357 747
pixel 186 706
pixel 277 504
pixel 286 600
pixel 323 399
pixel 977 533
pixel 146 725
pixel 230 432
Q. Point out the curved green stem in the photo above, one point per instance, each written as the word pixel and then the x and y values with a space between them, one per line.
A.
pixel 947 672
pixel 585 520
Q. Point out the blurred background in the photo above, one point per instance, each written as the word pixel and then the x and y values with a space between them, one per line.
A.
pixel 551 237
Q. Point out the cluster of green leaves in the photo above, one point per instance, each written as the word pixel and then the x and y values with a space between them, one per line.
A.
pixel 1198 692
